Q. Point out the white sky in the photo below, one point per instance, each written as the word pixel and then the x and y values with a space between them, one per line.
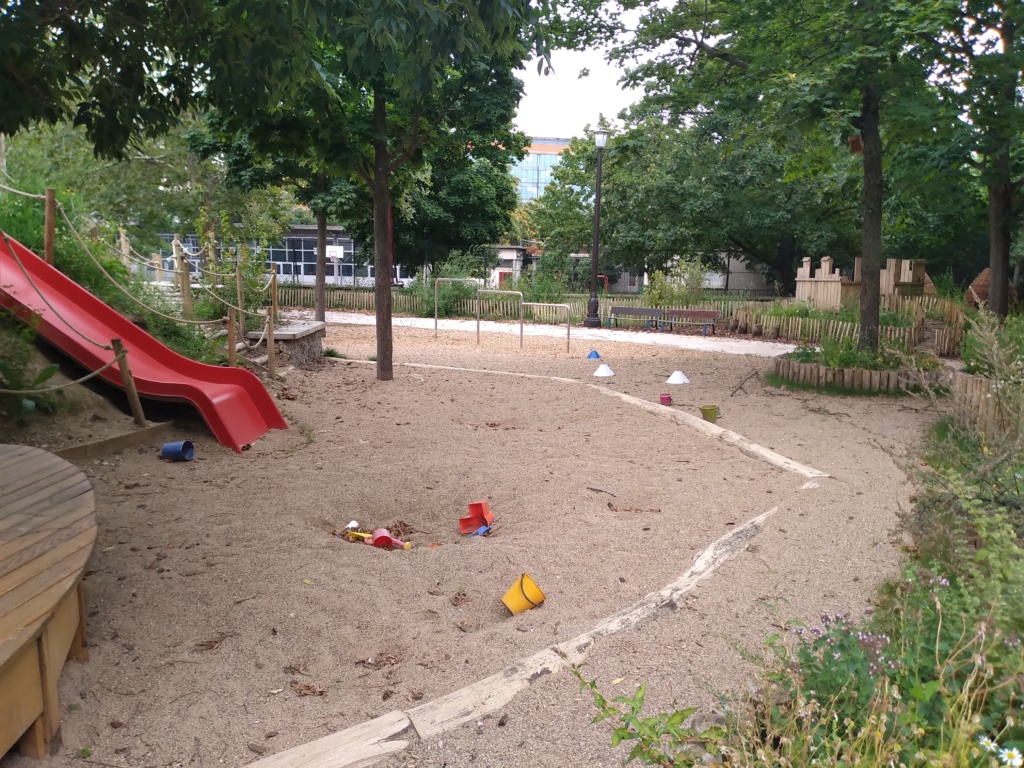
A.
pixel 559 105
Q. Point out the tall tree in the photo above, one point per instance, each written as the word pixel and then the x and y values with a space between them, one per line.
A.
pixel 126 69
pixel 980 55
pixel 423 66
pixel 793 63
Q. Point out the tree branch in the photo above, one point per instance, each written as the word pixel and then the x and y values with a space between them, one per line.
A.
pixel 713 52
pixel 415 139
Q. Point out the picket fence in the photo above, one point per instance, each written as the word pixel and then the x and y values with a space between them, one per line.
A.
pixel 743 310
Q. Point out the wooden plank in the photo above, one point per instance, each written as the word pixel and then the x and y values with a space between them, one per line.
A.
pixel 39 475
pixel 18 463
pixel 35 576
pixel 116 443
pixel 347 748
pixel 17 553
pixel 67 489
pixel 59 633
pixel 38 608
pixel 46 519
pixel 21 695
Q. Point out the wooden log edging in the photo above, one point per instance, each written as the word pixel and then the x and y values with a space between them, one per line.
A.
pixel 859 379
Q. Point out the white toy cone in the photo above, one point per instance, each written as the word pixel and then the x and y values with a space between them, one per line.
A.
pixel 677 378
pixel 604 371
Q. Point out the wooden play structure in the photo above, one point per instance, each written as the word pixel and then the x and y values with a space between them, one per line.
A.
pixel 47 532
pixel 828 289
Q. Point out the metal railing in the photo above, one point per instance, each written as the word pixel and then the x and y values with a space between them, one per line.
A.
pixel 504 293
pixel 568 316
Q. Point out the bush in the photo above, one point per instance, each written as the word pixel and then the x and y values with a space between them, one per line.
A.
pixel 990 347
pixel 847 313
pixel 458 266
pixel 843 353
pixel 682 286
pixel 934 675
pixel 17 371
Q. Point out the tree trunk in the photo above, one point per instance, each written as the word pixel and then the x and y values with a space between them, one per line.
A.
pixel 320 303
pixel 382 236
pixel 1000 201
pixel 1000 184
pixel 871 225
pixel 785 264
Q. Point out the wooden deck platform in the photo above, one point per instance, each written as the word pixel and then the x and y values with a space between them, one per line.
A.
pixel 47 532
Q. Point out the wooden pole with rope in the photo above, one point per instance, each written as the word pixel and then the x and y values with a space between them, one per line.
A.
pixel 129 383
pixel 232 344
pixel 184 278
pixel 49 224
pixel 240 292
pixel 271 351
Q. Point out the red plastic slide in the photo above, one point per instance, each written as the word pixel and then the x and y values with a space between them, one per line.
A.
pixel 233 402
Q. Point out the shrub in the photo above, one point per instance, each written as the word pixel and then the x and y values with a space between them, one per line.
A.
pixel 683 285
pixel 843 353
pixel 17 371
pixel 847 313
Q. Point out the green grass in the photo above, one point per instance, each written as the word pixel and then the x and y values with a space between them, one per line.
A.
pixel 332 352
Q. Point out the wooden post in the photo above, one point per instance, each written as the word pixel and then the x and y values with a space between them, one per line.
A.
pixel 271 351
pixel 232 351
pixel 126 249
pixel 240 291
pixel 184 278
pixel 158 266
pixel 49 224
pixel 129 383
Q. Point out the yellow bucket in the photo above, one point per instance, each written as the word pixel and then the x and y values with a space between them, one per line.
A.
pixel 523 595
pixel 710 413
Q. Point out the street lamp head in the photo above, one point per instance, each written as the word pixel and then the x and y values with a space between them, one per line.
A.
pixel 600 138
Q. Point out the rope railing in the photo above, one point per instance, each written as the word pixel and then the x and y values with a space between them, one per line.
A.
pixel 120 287
pixel 23 194
pixel 10 250
pixel 76 382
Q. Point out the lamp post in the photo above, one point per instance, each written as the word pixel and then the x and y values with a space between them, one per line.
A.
pixel 592 320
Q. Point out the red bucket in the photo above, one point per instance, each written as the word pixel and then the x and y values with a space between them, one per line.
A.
pixel 666 399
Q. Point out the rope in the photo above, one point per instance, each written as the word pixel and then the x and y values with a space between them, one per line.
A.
pixel 262 338
pixel 23 194
pixel 119 286
pixel 10 249
pixel 85 378
pixel 227 303
pixel 143 262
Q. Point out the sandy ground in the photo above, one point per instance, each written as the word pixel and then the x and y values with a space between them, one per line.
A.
pixel 217 595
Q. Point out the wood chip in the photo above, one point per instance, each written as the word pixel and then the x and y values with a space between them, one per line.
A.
pixel 212 644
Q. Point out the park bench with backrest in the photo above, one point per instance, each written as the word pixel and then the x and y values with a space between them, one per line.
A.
pixel 704 317
pixel 647 314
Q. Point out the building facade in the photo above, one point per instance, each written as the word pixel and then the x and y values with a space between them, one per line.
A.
pixel 533 172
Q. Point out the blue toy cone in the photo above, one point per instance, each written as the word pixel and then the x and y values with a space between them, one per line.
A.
pixel 593 355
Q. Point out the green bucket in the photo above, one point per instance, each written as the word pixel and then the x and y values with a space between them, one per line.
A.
pixel 710 413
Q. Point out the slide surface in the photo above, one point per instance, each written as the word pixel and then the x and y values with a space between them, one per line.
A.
pixel 233 402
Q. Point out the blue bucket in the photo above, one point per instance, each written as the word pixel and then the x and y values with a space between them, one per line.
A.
pixel 179 451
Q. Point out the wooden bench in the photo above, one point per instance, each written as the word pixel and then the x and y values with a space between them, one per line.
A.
pixel 47 532
pixel 648 314
pixel 703 317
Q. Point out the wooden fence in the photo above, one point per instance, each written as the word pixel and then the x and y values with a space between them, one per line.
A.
pixel 812 330
pixel 978 404
pixel 742 309
pixel 858 379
